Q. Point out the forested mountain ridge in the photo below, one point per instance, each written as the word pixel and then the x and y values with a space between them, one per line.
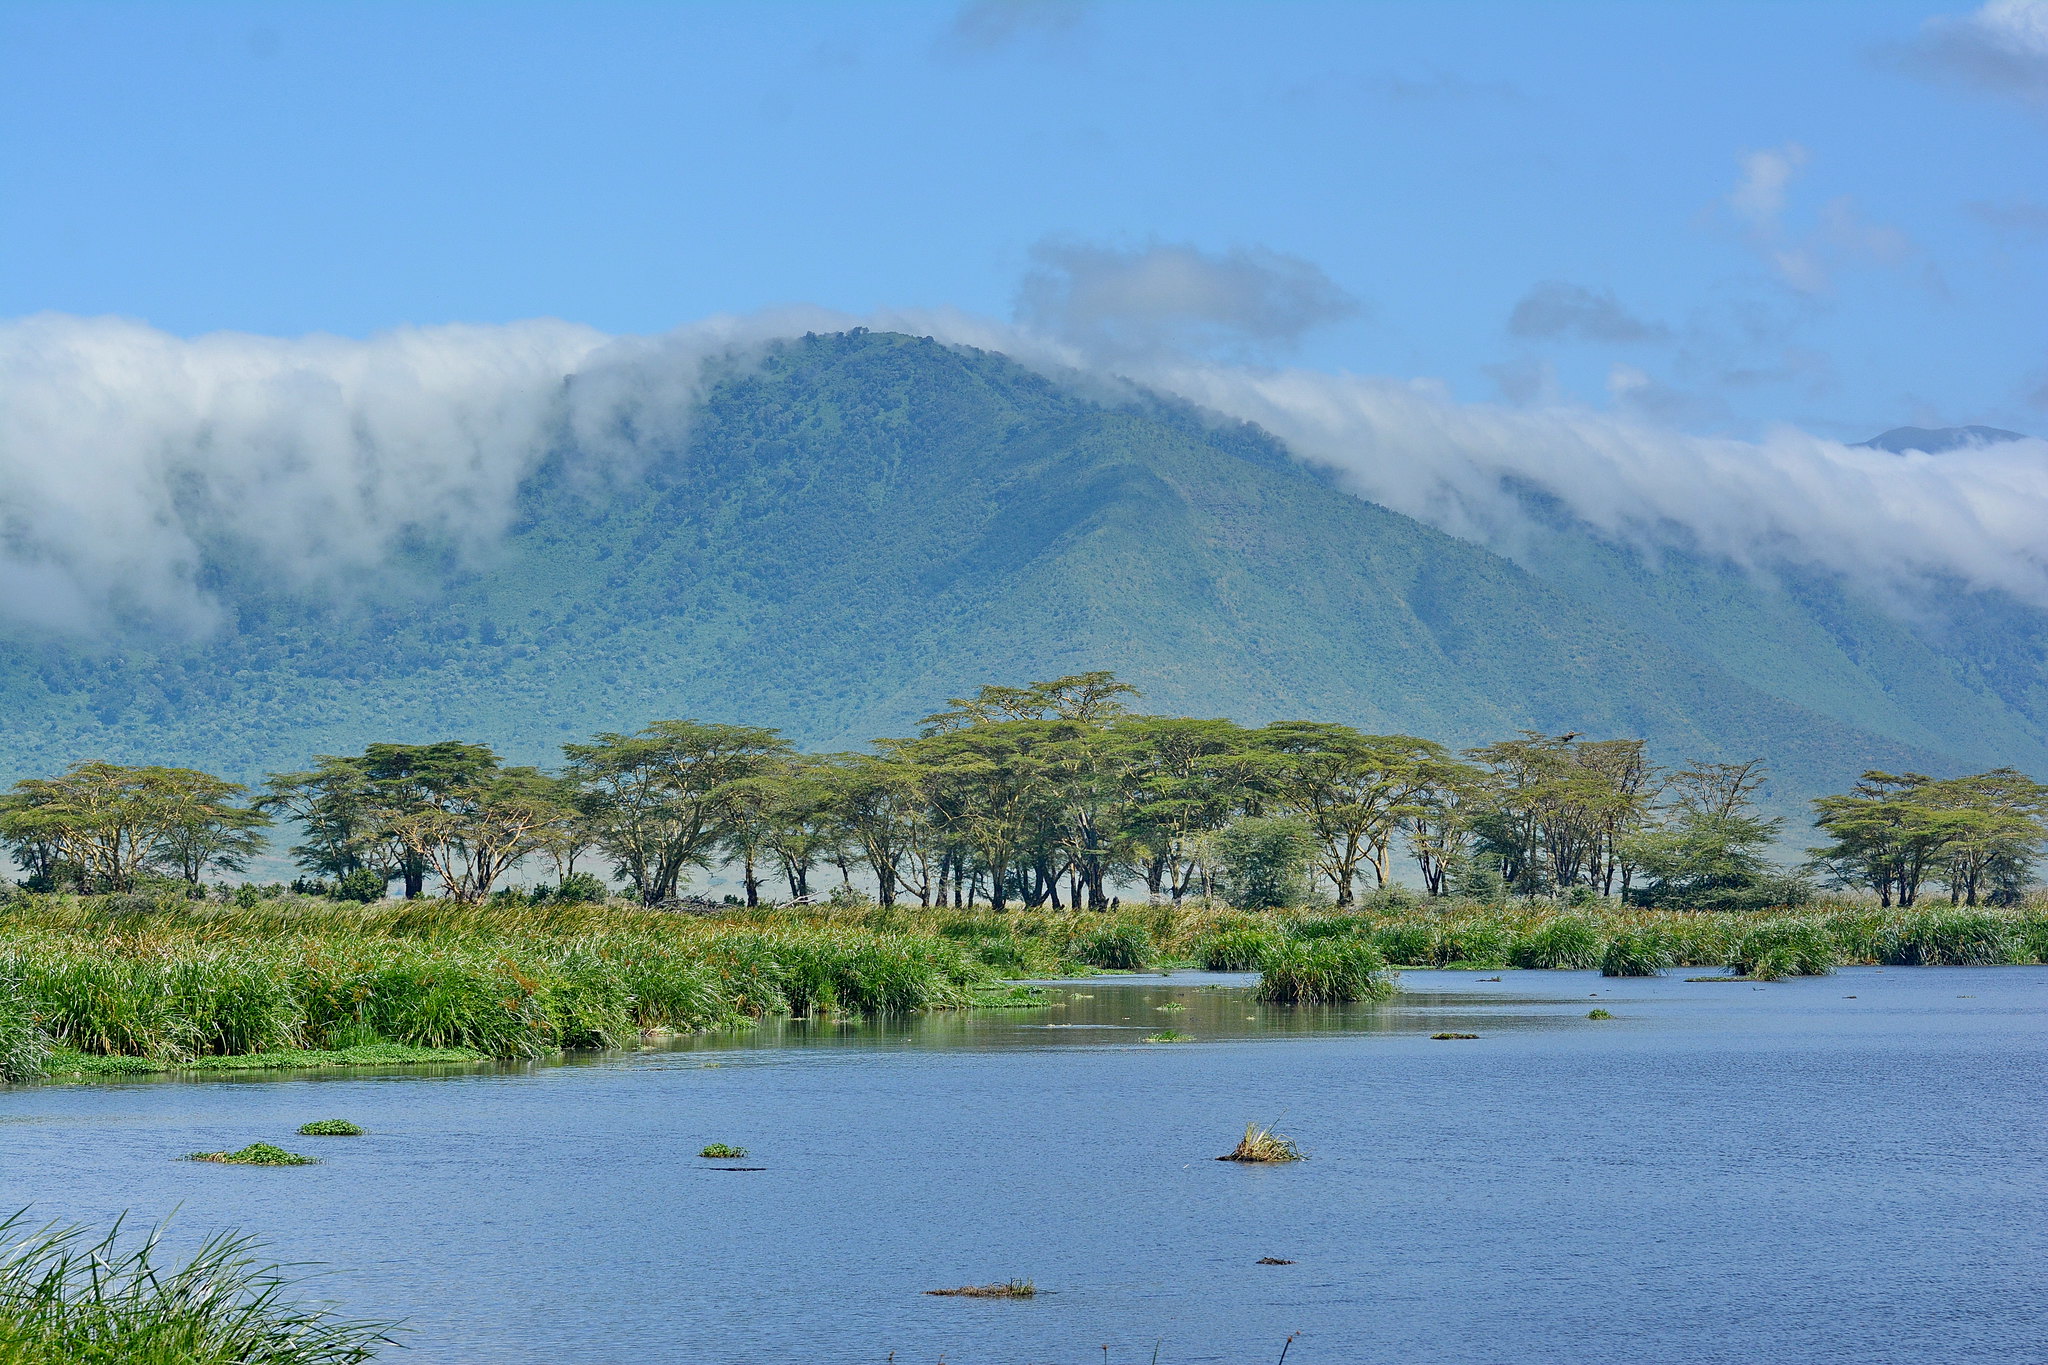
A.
pixel 863 524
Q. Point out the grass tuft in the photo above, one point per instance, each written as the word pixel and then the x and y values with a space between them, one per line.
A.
pixel 1325 971
pixel 1261 1144
pixel 67 1298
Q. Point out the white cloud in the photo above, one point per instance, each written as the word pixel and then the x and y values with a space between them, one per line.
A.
pixel 128 457
pixel 2001 47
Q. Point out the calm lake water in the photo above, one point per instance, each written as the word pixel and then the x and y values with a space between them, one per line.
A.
pixel 1846 1169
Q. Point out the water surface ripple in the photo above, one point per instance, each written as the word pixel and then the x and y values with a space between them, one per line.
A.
pixel 1844 1169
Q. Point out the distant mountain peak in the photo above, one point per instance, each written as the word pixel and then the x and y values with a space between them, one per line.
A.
pixel 1935 440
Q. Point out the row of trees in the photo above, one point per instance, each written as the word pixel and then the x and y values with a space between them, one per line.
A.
pixel 1052 794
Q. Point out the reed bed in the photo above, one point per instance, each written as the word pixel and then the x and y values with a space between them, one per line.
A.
pixel 68 1296
pixel 202 982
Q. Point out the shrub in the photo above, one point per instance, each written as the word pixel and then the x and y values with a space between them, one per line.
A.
pixel 1566 943
pixel 1636 952
pixel 1326 972
pixel 362 886
pixel 1263 861
pixel 581 888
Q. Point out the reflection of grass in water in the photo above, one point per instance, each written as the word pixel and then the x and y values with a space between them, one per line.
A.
pixel 1261 1144
pixel 67 1297
pixel 1011 1289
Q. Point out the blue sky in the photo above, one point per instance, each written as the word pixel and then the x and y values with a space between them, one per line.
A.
pixel 1717 217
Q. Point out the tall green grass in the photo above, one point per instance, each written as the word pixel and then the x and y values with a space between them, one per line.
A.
pixel 68 1297
pixel 1324 972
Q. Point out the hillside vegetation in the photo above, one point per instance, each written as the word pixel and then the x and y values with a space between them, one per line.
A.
pixel 863 521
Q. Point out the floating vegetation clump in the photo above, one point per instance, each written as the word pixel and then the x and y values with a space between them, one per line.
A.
pixel 255 1154
pixel 1261 1144
pixel 1009 1289
pixel 1598 1014
pixel 1169 1036
pixel 330 1128
pixel 68 1297
pixel 1325 971
pixel 1446 1037
pixel 719 1151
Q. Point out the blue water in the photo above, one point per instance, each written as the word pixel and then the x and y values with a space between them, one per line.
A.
pixel 1845 1169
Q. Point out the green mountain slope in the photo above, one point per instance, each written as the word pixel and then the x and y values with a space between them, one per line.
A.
pixel 865 524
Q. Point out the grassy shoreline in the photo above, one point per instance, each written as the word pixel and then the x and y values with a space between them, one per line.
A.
pixel 89 989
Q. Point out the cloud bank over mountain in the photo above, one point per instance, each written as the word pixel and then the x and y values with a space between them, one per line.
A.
pixel 130 457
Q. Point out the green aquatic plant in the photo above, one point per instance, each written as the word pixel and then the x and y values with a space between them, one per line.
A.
pixel 719 1151
pixel 24 1047
pixel 1169 1035
pixel 255 1154
pixel 330 1128
pixel 1598 1014
pixel 68 1297
pixel 1447 1037
pixel 1326 971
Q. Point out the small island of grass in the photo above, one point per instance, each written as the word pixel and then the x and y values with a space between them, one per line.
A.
pixel 255 1154
pixel 330 1128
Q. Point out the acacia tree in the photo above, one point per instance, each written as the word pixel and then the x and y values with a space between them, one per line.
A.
pixel 335 805
pixel 1351 790
pixel 1885 835
pixel 1179 779
pixel 113 822
pixel 879 807
pixel 473 829
pixel 657 801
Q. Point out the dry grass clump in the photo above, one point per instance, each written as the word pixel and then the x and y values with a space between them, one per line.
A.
pixel 1012 1289
pixel 1261 1144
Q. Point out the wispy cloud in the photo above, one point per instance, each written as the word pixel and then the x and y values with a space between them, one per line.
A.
pixel 2013 217
pixel 1805 261
pixel 980 27
pixel 1175 297
pixel 2000 48
pixel 1557 310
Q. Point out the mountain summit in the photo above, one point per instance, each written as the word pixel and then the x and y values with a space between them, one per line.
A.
pixel 1936 440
